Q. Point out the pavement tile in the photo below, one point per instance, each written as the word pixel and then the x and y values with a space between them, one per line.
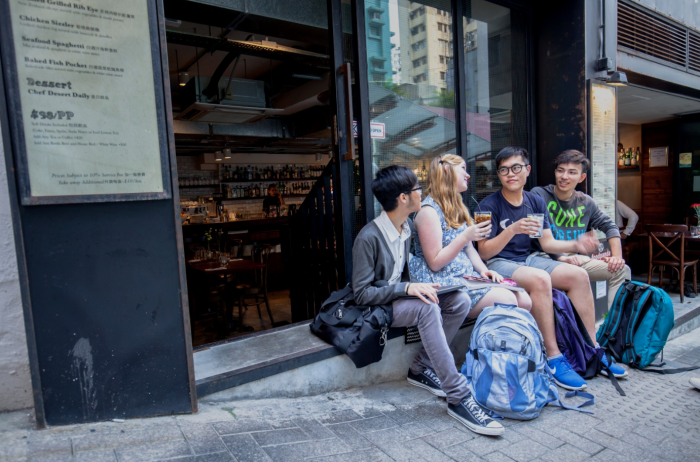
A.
pixel 537 436
pixel 399 416
pixel 241 426
pixel 202 438
pixel 272 437
pixel 482 445
pixel 396 450
pixel 283 453
pixel 414 430
pixel 112 437
pixel 345 415
pixel 567 452
pixel 370 455
pixel 314 429
pixel 575 440
pixel 497 457
pixel 427 452
pixel 441 423
pixel 350 436
pixel 99 455
pixel 374 424
pixel 321 448
pixel 607 455
pixel 215 457
pixel 156 451
pixel 524 450
pixel 447 438
pixel 244 448
pixel 50 458
pixel 369 412
pixel 48 446
pixel 279 424
pixel 460 453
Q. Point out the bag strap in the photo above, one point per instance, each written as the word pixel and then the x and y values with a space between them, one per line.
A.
pixel 611 376
pixel 352 313
pixel 590 400
pixel 670 371
pixel 336 296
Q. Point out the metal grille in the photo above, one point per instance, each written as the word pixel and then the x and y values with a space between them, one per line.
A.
pixel 646 33
pixel 694 52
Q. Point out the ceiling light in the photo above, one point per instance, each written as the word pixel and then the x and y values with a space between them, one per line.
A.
pixel 617 79
pixel 307 76
pixel 227 153
pixel 183 78
pixel 219 156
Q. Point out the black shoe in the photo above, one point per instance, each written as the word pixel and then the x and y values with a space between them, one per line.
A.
pixel 474 417
pixel 428 380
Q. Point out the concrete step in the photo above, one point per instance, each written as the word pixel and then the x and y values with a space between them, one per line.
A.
pixel 290 361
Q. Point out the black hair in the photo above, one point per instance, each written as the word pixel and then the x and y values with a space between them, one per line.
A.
pixel 511 151
pixel 572 156
pixel 390 182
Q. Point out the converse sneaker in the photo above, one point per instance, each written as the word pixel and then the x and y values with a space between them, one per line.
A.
pixel 564 375
pixel 428 380
pixel 618 371
pixel 695 381
pixel 474 417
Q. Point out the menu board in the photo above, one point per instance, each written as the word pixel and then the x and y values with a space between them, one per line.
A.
pixel 602 142
pixel 85 108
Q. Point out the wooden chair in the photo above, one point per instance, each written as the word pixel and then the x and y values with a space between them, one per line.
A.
pixel 253 293
pixel 666 257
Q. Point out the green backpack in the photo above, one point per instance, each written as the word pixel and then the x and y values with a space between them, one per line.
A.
pixel 637 325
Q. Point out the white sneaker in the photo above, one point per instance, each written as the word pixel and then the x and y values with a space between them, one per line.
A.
pixel 695 381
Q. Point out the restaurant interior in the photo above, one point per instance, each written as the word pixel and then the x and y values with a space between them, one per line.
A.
pixel 658 168
pixel 250 103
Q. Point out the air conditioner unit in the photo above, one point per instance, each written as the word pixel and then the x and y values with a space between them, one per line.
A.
pixel 238 101
pixel 225 114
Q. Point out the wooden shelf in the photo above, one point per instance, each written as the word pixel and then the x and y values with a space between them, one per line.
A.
pixel 271 180
pixel 630 167
pixel 215 185
pixel 261 197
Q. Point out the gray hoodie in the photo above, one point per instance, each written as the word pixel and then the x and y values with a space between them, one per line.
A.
pixel 572 218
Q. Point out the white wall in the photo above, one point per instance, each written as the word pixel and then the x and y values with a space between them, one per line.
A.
pixel 629 182
pixel 15 382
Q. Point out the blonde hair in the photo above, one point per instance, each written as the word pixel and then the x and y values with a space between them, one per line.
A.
pixel 442 188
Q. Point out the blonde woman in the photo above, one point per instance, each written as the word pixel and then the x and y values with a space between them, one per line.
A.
pixel 444 248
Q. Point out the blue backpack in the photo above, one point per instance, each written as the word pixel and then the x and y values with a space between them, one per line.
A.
pixel 637 325
pixel 507 366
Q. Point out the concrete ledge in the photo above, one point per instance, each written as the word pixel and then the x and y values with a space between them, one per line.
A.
pixel 242 368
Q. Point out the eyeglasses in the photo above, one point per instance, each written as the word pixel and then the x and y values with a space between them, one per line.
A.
pixel 517 168
pixel 417 188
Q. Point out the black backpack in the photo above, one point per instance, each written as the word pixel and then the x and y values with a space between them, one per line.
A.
pixel 356 330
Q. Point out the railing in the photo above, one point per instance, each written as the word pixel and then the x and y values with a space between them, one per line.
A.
pixel 313 254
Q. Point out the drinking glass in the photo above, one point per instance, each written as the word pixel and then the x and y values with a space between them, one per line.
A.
pixel 480 217
pixel 540 218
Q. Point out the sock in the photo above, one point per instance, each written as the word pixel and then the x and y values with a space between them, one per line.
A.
pixel 549 358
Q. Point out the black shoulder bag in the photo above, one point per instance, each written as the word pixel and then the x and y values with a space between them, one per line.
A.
pixel 356 330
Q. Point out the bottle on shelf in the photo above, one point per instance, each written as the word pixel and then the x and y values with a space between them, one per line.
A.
pixel 638 154
pixel 621 158
pixel 628 157
pixel 633 160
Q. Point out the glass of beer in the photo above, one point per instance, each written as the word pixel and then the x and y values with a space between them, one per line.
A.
pixel 480 217
pixel 540 218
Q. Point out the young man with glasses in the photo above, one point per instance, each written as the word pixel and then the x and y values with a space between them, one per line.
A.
pixel 507 252
pixel 380 276
pixel 573 213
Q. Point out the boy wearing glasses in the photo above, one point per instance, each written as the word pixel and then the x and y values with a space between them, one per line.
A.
pixel 380 276
pixel 507 252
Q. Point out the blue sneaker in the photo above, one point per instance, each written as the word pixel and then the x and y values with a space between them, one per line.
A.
pixel 564 375
pixel 618 371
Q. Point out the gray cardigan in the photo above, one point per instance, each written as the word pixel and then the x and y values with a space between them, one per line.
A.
pixel 372 261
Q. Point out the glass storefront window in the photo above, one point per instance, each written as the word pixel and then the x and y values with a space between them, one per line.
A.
pixel 495 66
pixel 412 105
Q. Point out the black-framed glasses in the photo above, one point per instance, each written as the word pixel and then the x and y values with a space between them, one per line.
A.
pixel 417 188
pixel 517 168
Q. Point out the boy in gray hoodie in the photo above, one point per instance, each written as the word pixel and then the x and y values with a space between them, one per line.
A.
pixel 572 213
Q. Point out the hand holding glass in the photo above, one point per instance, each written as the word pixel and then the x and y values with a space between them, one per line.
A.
pixel 540 219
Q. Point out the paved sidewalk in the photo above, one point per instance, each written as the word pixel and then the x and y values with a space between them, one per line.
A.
pixel 658 420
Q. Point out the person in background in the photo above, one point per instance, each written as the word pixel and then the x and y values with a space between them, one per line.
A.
pixel 273 199
pixel 573 213
pixel 623 211
pixel 508 252
pixel 380 276
pixel 445 231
